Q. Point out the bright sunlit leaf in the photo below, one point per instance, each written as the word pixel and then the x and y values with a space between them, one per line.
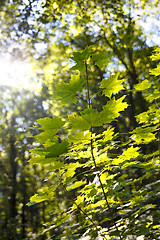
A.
pixel 111 85
pixel 142 86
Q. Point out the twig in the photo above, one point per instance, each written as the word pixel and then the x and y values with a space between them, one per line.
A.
pixel 93 158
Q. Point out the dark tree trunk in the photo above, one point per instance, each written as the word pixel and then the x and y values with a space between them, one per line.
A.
pixel 13 165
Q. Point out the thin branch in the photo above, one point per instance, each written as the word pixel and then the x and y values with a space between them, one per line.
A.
pixel 81 210
pixel 93 158
pixel 87 81
pixel 102 187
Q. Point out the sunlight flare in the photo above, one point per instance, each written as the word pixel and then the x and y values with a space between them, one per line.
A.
pixel 15 73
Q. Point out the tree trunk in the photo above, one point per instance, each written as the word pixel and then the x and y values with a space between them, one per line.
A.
pixel 13 165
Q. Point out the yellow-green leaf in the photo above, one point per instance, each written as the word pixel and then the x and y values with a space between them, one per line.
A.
pixel 76 185
pixel 111 85
pixel 142 86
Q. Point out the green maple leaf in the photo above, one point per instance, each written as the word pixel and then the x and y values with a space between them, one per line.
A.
pixel 143 135
pixel 155 95
pixel 80 57
pixel 142 86
pixel 143 117
pixel 43 196
pixel 155 71
pixel 100 59
pixel 156 55
pixel 80 137
pixel 111 85
pixel 57 149
pixel 108 134
pixel 51 124
pixel 43 161
pixel 50 153
pixel 76 185
pixel 112 109
pixel 91 118
pixel 47 134
pixel 66 92
pixel 130 153
pixel 71 168
pixel 80 66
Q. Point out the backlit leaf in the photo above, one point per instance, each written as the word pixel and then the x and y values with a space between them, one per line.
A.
pixel 51 124
pixel 46 195
pixel 90 117
pixel 71 168
pixel 104 177
pixel 112 109
pixel 66 92
pixel 87 119
pixel 143 135
pixel 79 200
pixel 47 134
pixel 142 117
pixel 82 55
pixel 81 136
pixel 155 71
pixel 100 59
pixel 129 153
pixel 80 66
pixel 76 185
pixel 111 85
pixel 108 134
pixel 142 86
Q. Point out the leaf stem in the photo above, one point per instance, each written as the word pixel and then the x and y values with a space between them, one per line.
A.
pixel 102 187
pixel 81 210
pixel 93 158
pixel 87 81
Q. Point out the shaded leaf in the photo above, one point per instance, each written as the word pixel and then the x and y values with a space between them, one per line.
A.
pixel 57 222
pixel 83 55
pixel 57 149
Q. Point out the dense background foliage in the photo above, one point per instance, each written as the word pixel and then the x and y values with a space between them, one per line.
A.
pixel 48 33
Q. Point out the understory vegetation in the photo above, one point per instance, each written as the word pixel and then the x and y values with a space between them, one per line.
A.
pixel 80 141
pixel 109 183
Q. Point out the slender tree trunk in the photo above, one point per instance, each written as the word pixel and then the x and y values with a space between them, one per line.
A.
pixel 23 218
pixel 13 165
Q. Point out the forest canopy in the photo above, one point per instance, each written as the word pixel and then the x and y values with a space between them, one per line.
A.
pixel 80 142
